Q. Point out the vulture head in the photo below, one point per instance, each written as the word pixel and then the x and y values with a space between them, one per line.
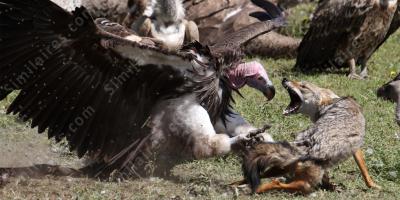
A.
pixel 253 75
pixel 163 20
pixel 229 52
pixel 391 90
pixel 168 12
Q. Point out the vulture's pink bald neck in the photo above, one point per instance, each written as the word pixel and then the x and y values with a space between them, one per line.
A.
pixel 237 76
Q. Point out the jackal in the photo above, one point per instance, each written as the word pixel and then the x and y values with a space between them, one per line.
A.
pixel 336 134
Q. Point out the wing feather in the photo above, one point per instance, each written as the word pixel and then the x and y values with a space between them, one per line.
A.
pixel 96 97
pixel 333 23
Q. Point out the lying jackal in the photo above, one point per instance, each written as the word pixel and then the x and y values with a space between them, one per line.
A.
pixel 336 134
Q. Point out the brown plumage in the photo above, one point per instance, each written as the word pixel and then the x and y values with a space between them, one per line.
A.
pixel 394 25
pixel 337 133
pixel 344 33
pixel 217 18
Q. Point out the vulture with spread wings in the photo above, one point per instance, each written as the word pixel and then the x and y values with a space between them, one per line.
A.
pixel 118 98
pixel 345 33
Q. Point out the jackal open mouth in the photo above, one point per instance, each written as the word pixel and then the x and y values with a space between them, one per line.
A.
pixel 295 99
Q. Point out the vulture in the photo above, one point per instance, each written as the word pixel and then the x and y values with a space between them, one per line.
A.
pixel 217 18
pixel 120 99
pixel 391 91
pixel 394 25
pixel 163 20
pixel 345 33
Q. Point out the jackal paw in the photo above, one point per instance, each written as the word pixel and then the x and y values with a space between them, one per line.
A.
pixel 375 186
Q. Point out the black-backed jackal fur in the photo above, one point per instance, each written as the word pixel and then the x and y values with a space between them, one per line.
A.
pixel 337 133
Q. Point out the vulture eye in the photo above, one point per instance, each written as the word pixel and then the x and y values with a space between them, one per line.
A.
pixel 260 78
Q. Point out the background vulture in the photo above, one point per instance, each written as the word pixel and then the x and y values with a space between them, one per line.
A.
pixel 163 20
pixel 118 98
pixel 216 18
pixel 391 91
pixel 160 19
pixel 394 25
pixel 344 33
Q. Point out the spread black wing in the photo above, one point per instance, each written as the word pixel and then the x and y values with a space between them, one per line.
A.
pixel 74 87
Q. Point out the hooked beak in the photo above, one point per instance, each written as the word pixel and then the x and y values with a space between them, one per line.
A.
pixel 269 93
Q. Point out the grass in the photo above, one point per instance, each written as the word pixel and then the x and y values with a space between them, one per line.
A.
pixel 207 179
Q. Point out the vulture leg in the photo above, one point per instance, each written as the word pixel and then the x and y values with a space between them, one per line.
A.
pixel 236 125
pixel 353 69
pixel 191 32
pixel 359 157
pixel 187 122
pixel 364 70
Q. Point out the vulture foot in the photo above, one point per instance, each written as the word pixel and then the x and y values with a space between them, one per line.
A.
pixel 355 76
pixel 364 73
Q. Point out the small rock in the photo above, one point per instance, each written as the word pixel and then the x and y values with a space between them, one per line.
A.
pixel 314 195
pixel 176 198
pixel 379 164
pixel 4 179
pixel 369 151
pixel 236 192
pixel 393 174
pixel 103 192
pixel 397 136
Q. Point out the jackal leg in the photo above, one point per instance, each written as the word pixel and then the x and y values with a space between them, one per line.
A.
pixel 273 172
pixel 294 186
pixel 359 157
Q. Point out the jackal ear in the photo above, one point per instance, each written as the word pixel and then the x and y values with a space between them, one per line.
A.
pixel 327 97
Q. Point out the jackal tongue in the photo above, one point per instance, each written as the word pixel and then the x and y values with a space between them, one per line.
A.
pixel 295 102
